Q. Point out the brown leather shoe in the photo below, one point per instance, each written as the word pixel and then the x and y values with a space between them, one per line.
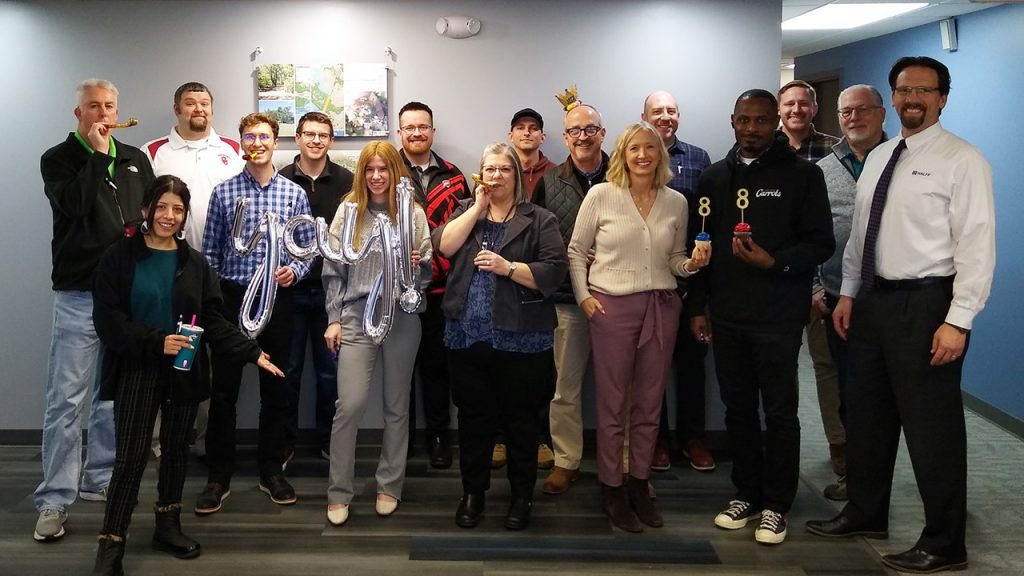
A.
pixel 559 480
pixel 700 458
pixel 545 457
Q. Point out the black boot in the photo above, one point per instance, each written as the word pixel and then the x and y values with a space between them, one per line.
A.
pixel 109 556
pixel 640 500
pixel 168 537
pixel 616 505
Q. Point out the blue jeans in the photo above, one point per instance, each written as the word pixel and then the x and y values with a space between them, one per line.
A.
pixel 74 380
pixel 309 317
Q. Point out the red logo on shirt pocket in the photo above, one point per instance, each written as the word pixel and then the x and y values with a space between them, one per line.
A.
pixel 224 159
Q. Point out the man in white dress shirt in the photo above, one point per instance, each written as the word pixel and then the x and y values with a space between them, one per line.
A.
pixel 907 305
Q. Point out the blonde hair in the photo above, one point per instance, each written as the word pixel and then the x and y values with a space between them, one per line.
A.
pixel 618 172
pixel 360 189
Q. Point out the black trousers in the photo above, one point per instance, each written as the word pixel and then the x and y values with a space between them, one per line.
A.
pixel 893 386
pixel 491 388
pixel 839 349
pixel 432 367
pixel 275 340
pixel 141 391
pixel 757 368
pixel 691 401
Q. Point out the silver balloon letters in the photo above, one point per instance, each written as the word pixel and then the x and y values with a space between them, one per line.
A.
pixel 398 281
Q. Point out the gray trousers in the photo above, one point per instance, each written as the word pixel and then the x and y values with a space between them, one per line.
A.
pixel 358 362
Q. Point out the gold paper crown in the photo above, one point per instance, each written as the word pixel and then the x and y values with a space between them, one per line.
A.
pixel 569 99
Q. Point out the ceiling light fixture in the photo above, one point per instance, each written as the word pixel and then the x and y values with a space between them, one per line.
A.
pixel 846 16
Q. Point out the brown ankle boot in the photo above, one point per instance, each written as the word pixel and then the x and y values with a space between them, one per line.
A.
pixel 616 505
pixel 643 505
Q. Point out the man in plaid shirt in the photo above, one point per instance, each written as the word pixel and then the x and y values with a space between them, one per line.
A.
pixel 267 191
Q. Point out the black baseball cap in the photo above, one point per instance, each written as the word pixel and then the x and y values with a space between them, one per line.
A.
pixel 527 113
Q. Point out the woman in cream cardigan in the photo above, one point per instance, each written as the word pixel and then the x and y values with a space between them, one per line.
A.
pixel 637 227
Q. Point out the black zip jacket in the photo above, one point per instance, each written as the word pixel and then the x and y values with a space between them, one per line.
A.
pixel 196 291
pixel 325 194
pixel 90 209
pixel 790 218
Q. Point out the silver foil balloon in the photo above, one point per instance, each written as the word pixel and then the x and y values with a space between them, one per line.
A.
pixel 378 325
pixel 258 301
pixel 398 281
pixel 288 237
pixel 408 274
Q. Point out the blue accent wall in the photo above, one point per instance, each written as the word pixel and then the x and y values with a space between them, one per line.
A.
pixel 986 108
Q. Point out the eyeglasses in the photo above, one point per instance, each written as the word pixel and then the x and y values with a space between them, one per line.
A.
pixel 315 135
pixel 848 113
pixel 588 130
pixel 919 90
pixel 505 170
pixel 251 138
pixel 422 129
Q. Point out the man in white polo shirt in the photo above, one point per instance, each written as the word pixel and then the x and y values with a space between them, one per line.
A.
pixel 195 153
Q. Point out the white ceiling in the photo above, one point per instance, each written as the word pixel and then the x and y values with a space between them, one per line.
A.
pixel 801 42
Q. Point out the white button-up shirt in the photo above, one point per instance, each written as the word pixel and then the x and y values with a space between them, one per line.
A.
pixel 939 219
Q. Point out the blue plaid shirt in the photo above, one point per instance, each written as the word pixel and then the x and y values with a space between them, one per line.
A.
pixel 686 162
pixel 281 196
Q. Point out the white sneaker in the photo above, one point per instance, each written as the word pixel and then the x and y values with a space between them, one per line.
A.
pixel 772 529
pixel 736 515
pixel 50 525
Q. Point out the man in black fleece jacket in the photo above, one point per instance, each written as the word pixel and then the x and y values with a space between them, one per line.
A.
pixel 755 291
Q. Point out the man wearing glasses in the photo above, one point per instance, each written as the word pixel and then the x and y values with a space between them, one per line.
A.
pixel 916 271
pixel 439 187
pixel 267 191
pixel 325 183
pixel 194 152
pixel 861 115
pixel 561 191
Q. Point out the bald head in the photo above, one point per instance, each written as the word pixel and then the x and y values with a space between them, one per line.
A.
pixel 584 148
pixel 662 111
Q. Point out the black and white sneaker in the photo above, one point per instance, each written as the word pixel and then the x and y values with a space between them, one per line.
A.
pixel 736 515
pixel 772 529
pixel 279 490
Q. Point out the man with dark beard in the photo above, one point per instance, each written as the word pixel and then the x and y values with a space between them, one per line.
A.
pixel 919 267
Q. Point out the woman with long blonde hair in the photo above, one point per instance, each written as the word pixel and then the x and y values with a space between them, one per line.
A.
pixel 347 286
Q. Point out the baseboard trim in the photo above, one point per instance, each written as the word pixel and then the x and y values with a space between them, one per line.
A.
pixel 994 415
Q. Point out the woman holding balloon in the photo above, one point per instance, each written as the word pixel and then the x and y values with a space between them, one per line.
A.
pixel 144 287
pixel 349 289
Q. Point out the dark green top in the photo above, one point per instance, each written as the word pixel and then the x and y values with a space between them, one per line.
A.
pixel 152 289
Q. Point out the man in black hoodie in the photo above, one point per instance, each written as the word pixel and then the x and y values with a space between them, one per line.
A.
pixel 755 291
pixel 94 184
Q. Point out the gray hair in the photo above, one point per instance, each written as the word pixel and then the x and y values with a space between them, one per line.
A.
pixel 869 87
pixel 94 83
pixel 503 149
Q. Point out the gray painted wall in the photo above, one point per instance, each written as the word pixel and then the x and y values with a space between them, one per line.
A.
pixel 704 51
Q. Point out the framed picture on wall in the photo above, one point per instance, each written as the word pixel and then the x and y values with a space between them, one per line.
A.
pixel 354 96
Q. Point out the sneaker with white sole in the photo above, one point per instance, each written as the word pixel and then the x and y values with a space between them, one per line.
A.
pixel 50 525
pixel 736 515
pixel 90 496
pixel 772 528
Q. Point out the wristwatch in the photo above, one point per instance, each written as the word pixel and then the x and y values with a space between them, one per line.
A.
pixel 511 269
pixel 958 329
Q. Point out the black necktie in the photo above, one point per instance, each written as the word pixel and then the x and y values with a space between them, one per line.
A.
pixel 867 265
